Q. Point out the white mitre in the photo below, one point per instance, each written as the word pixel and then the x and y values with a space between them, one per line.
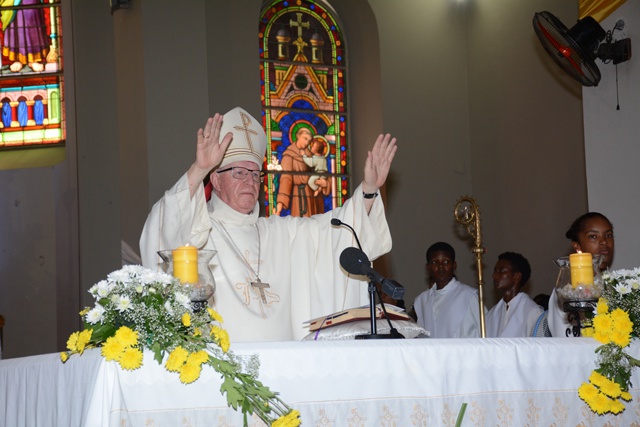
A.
pixel 249 140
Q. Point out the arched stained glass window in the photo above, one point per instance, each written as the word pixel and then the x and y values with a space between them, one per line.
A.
pixel 31 82
pixel 304 107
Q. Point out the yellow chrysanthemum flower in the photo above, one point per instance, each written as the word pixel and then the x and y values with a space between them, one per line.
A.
pixel 293 418
pixel 199 357
pixel 222 337
pixel 616 407
pixel 72 342
pixel 587 332
pixel 602 336
pixel 625 395
pixel 131 359
pixel 112 349
pixel 620 338
pixel 597 379
pixel 64 356
pixel 214 315
pixel 600 403
pixel 186 320
pixel 83 339
pixel 190 372
pixel 289 420
pixel 611 389
pixel 176 359
pixel 621 321
pixel 587 392
pixel 85 311
pixel 602 323
pixel 127 336
pixel 602 307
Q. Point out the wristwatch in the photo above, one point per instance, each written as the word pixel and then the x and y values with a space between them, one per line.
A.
pixel 369 195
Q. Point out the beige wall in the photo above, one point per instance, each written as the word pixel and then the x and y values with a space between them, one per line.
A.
pixel 526 136
pixel 477 108
pixel 464 87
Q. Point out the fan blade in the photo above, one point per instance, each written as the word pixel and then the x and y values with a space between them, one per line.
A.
pixel 565 51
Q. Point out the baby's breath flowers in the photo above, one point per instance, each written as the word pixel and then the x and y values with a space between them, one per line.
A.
pixel 615 324
pixel 136 309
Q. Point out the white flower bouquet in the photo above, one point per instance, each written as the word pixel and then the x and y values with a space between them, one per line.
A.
pixel 136 309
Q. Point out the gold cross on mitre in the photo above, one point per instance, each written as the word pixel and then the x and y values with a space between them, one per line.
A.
pixel 246 122
pixel 249 139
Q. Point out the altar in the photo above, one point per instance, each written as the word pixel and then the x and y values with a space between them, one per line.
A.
pixel 419 382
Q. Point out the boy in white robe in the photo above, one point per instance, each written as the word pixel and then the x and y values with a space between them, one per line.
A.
pixel 515 315
pixel 449 309
pixel 272 274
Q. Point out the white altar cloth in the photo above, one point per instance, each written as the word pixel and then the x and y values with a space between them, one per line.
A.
pixel 421 382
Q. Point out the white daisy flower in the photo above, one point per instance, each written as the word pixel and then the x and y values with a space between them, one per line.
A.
pixel 123 304
pixel 119 276
pixel 95 314
pixel 634 283
pixel 167 306
pixel 183 299
pixel 103 289
pixel 623 288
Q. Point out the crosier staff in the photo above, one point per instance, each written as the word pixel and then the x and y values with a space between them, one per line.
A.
pixel 467 214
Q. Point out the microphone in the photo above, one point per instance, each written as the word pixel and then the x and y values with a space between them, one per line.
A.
pixel 337 223
pixel 356 262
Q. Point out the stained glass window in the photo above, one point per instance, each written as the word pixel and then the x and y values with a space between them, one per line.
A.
pixel 304 107
pixel 31 82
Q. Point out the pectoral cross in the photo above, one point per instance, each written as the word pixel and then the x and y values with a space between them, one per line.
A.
pixel 261 287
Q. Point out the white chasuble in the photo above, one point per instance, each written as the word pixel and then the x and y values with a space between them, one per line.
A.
pixel 450 312
pixel 516 319
pixel 298 258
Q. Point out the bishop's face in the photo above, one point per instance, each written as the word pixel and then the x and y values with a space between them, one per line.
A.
pixel 240 194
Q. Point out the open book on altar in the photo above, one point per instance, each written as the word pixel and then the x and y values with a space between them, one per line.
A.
pixel 358 313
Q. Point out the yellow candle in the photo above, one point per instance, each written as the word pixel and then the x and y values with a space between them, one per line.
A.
pixel 581 269
pixel 185 264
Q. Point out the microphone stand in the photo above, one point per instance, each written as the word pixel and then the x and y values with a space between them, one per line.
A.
pixel 372 298
pixel 372 309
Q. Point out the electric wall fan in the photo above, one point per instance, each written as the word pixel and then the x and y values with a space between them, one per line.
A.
pixel 576 49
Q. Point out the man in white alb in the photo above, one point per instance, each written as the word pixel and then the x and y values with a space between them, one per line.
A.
pixel 515 315
pixel 449 309
pixel 274 273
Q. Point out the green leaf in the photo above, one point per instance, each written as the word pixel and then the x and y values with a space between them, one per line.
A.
pixel 158 353
pixel 102 332
pixel 232 390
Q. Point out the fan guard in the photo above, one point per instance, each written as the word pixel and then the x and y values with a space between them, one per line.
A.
pixel 573 50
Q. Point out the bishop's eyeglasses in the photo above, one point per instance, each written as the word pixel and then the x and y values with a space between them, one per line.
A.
pixel 238 172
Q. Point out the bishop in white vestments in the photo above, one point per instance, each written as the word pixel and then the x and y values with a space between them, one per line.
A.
pixel 272 274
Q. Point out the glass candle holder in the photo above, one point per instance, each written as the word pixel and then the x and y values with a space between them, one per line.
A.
pixel 199 280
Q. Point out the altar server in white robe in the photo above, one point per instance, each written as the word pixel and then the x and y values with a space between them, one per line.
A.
pixel 449 309
pixel 591 232
pixel 515 315
pixel 272 274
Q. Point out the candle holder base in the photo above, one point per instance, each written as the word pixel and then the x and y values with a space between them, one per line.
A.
pixel 577 310
pixel 198 306
pixel 199 294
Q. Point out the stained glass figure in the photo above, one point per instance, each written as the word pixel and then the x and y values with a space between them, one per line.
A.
pixel 304 108
pixel 31 82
